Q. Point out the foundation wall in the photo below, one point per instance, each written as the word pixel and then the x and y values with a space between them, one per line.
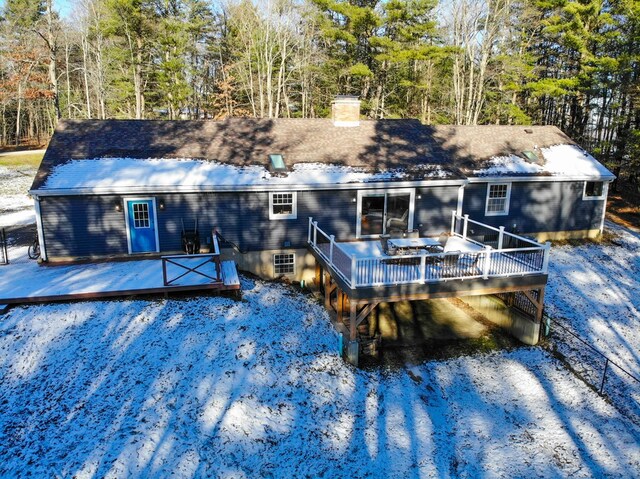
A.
pixel 518 324
pixel 261 264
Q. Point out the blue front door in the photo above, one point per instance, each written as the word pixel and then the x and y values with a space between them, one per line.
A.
pixel 141 219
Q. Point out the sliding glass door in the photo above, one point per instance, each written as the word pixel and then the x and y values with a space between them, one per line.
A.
pixel 382 212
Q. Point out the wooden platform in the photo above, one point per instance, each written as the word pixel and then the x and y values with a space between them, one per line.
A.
pixel 28 282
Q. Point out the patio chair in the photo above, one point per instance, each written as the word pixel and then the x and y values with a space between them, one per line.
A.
pixel 458 263
pixel 384 243
pixel 398 223
pixel 449 264
pixel 442 239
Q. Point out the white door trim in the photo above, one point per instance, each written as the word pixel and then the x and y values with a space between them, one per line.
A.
pixel 375 192
pixel 125 208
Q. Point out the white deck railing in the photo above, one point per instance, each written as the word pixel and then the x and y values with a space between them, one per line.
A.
pixel 521 256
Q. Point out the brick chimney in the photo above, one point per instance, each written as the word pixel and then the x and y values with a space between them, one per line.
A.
pixel 345 110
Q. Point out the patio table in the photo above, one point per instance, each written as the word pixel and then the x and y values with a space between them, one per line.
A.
pixel 414 243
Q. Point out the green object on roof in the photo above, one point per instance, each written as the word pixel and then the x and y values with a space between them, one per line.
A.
pixel 277 162
pixel 530 156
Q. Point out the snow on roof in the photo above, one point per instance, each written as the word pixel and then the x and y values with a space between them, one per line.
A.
pixel 114 173
pixel 559 160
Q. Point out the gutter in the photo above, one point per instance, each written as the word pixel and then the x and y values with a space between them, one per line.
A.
pixel 536 179
pixel 129 190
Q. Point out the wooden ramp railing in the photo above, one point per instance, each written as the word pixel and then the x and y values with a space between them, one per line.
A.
pixel 192 269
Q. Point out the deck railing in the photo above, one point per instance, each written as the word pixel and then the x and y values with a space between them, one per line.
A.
pixel 196 266
pixel 525 258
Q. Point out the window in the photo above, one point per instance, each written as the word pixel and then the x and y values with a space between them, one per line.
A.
pixel 141 215
pixel 531 156
pixel 277 163
pixel 284 263
pixel 282 206
pixel 384 212
pixel 498 199
pixel 594 190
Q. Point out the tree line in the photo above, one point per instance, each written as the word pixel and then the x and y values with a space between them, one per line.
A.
pixel 569 63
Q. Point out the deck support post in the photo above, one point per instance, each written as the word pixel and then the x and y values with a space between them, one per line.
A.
pixel 339 305
pixel 353 348
pixel 353 321
pixel 317 279
pixel 366 311
pixel 537 302
pixel 540 306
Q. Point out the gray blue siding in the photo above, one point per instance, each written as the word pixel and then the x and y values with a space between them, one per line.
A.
pixel 433 211
pixel 76 226
pixel 90 226
pixel 87 226
pixel 537 207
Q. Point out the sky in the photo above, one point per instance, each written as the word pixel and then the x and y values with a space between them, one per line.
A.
pixel 61 6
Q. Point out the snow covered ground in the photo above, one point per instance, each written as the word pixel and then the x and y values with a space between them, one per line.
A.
pixel 16 208
pixel 213 387
pixel 594 290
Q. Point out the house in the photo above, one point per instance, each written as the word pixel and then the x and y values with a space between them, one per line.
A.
pixel 120 188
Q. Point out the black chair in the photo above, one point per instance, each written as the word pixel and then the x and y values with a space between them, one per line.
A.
pixel 443 238
pixel 384 243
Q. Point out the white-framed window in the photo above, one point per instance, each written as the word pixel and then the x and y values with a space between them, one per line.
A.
pixel 283 206
pixel 594 190
pixel 381 211
pixel 284 263
pixel 498 195
pixel 141 215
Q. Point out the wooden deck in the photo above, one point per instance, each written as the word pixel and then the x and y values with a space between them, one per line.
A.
pixel 27 282
pixel 468 265
pixel 478 259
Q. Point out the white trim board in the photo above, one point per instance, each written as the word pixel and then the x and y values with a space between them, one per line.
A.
pixel 39 226
pixel 536 179
pixel 132 190
pixel 125 211
pixel 603 196
pixel 294 206
pixel 383 192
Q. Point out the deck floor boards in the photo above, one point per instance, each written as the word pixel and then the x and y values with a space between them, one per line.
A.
pixel 27 282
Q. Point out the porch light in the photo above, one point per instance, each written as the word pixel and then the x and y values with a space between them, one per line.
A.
pixel 277 163
pixel 161 205
pixel 118 206
pixel 354 199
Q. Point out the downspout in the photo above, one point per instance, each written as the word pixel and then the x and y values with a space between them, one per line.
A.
pixel 604 206
pixel 43 246
pixel 461 197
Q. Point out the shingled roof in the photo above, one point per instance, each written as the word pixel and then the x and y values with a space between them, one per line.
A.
pixel 373 145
